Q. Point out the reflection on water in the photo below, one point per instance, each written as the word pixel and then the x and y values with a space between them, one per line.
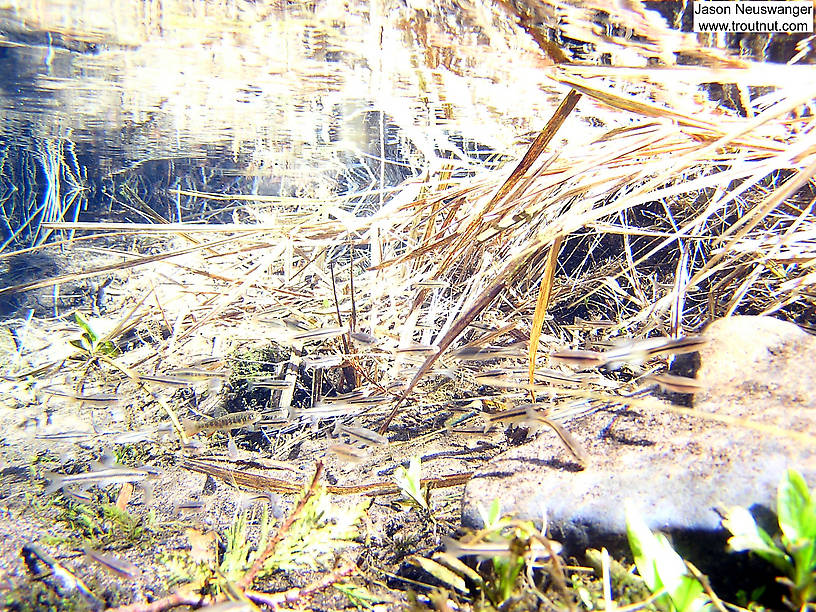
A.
pixel 112 105
pixel 259 84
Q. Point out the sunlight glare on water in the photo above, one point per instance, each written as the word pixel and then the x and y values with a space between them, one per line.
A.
pixel 280 88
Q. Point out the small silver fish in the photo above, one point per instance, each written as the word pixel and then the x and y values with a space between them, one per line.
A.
pixel 465 431
pixel 188 377
pixel 168 381
pixel 66 436
pixel 133 437
pixel 431 284
pixel 348 453
pixel 196 374
pixel 559 378
pixel 631 352
pixel 364 338
pixel 115 565
pixel 102 474
pixel 191 506
pixel 234 420
pixel 489 352
pixel 345 397
pixel 370 400
pixel 362 434
pixel 324 361
pixel 78 495
pixel 519 416
pixel 231 606
pixel 270 383
pixel 675 384
pixel 580 358
pixel 418 349
pixel 324 333
pixel 205 360
pixel 98 399
pixel 232 447
pixel 501 382
pixel 537 550
pixel 640 350
pixel 569 442
pixel 592 324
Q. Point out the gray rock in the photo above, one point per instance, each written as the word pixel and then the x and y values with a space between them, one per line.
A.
pixel 673 468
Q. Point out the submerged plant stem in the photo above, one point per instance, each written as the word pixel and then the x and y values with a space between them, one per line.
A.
pixel 246 581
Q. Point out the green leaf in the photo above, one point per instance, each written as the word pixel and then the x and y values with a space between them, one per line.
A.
pixel 645 549
pixel 661 567
pixel 747 535
pixel 507 570
pixel 107 348
pixel 491 517
pixel 688 595
pixel 358 595
pixel 796 509
pixel 409 482
pixel 86 327
pixel 81 344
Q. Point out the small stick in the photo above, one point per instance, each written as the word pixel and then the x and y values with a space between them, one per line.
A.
pixel 348 373
pixel 703 580
pixel 353 320
pixel 179 598
pixel 273 600
pixel 124 496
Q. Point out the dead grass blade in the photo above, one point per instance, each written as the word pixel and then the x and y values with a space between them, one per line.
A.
pixel 536 148
pixel 504 278
pixel 542 302
pixel 631 104
pixel 99 270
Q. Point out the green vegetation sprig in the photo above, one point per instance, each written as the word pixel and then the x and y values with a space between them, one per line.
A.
pixel 510 546
pixel 409 482
pixel 793 550
pixel 662 569
pixel 90 343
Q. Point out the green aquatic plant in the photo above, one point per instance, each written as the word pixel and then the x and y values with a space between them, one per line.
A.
pixel 663 570
pixel 410 483
pixel 510 546
pixel 239 553
pixel 506 569
pixel 90 343
pixel 793 550
pixel 311 541
pixel 323 528
pixel 101 523
pixel 360 596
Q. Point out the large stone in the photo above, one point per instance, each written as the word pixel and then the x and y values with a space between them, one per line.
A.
pixel 674 468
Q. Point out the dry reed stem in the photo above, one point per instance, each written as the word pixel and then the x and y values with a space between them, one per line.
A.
pixel 292 596
pixel 178 598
